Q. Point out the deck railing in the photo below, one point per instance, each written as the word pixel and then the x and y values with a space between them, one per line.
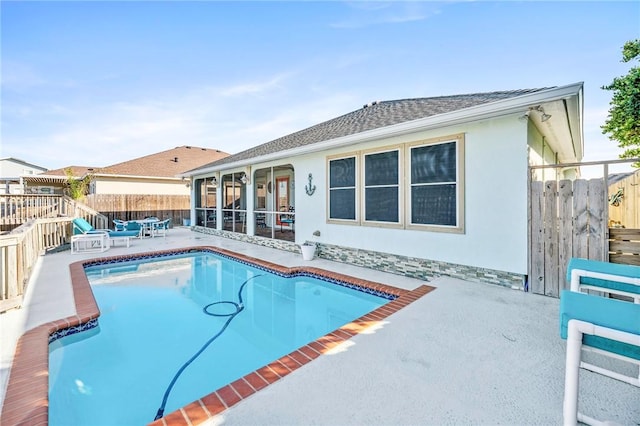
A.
pixel 19 252
pixel 17 209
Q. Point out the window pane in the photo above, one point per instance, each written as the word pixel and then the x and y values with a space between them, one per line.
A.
pixel 342 172
pixel 433 163
pixel 342 204
pixel 433 205
pixel 381 204
pixel 381 169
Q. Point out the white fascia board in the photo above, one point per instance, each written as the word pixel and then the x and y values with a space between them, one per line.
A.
pixel 98 175
pixel 515 105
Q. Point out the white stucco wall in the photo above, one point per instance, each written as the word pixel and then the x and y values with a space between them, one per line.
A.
pixel 495 213
pixel 146 186
pixel 495 202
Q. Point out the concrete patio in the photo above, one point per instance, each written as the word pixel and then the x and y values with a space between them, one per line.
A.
pixel 466 353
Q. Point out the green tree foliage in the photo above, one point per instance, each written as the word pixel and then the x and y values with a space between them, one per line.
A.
pixel 77 188
pixel 623 122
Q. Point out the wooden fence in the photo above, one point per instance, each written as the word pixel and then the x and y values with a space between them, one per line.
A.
pixel 19 252
pixel 567 219
pixel 18 209
pixel 624 196
pixel 132 206
pixel 624 246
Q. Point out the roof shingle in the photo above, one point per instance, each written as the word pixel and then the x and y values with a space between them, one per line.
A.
pixel 167 163
pixel 373 116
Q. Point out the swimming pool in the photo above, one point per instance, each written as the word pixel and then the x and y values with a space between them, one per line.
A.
pixel 119 371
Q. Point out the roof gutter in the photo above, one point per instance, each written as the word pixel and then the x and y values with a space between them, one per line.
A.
pixel 496 109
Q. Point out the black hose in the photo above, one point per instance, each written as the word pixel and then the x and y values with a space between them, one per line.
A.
pixel 239 308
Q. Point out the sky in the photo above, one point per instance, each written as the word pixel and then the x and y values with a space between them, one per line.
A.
pixel 92 83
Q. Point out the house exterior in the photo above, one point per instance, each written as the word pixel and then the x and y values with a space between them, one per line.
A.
pixel 11 172
pixel 154 174
pixel 422 187
pixel 53 182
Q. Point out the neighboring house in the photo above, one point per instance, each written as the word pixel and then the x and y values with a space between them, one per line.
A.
pixel 11 172
pixel 53 181
pixel 423 187
pixel 154 174
pixel 134 189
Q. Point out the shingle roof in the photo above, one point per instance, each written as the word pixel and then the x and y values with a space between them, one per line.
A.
pixel 166 163
pixel 78 171
pixel 373 116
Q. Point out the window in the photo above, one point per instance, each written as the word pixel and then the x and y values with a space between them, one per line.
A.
pixel 428 196
pixel 434 197
pixel 342 188
pixel 382 187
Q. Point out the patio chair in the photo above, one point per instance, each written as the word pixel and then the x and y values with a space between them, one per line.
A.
pixel 606 326
pixel 611 278
pixel 161 228
pixel 133 225
pixel 86 238
pixel 119 225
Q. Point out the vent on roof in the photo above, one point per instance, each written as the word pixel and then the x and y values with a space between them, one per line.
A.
pixel 370 104
pixel 175 159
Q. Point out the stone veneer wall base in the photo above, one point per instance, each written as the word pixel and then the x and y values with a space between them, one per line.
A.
pixel 413 267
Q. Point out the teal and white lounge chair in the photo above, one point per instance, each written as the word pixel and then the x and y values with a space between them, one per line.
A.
pixel 87 238
pixel 599 324
pixel 613 278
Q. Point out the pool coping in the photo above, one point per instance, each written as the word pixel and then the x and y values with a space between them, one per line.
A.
pixel 27 401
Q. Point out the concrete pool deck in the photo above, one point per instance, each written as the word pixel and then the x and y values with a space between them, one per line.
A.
pixel 466 353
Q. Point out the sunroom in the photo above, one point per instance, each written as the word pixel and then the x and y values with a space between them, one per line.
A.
pixel 260 203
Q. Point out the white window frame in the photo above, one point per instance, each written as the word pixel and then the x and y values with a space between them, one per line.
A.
pixel 399 185
pixel 459 182
pixel 356 220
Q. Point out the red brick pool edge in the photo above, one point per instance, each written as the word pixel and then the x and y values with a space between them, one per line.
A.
pixel 26 400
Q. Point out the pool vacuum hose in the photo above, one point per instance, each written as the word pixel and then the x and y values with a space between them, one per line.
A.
pixel 239 308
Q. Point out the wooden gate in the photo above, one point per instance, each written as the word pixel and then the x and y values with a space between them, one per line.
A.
pixel 567 219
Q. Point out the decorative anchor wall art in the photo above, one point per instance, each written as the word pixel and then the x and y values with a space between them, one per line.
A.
pixel 311 188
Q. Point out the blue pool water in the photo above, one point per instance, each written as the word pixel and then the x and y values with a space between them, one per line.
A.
pixel 152 322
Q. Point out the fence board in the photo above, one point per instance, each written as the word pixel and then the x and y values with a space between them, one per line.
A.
pixel 551 238
pixel 536 274
pixel 565 233
pixel 580 219
pixel 597 227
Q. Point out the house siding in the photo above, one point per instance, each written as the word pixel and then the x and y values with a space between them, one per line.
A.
pixel 140 186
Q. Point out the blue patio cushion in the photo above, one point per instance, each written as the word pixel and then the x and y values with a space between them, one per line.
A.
pixel 115 234
pixel 81 226
pixel 605 268
pixel 610 313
